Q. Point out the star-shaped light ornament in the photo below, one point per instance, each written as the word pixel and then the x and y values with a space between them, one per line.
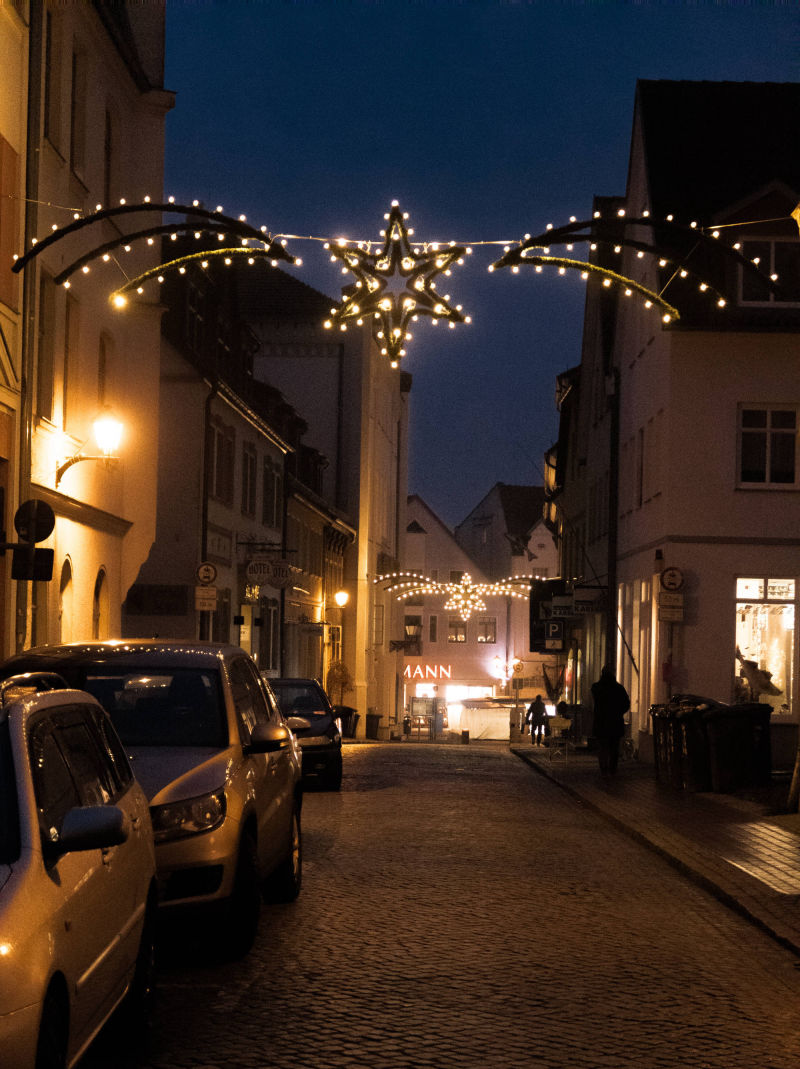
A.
pixel 395 285
pixel 466 598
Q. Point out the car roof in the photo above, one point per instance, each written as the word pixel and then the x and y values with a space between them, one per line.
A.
pixel 44 699
pixel 296 680
pixel 188 652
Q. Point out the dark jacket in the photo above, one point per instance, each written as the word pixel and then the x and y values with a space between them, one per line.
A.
pixel 611 703
pixel 537 713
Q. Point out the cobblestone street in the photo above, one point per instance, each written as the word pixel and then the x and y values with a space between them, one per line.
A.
pixel 460 910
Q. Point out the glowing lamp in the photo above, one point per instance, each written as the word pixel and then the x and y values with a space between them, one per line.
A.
pixel 108 435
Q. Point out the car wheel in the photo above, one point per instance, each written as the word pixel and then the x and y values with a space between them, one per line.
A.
pixel 240 922
pixel 284 883
pixel 138 1003
pixel 51 1046
pixel 333 778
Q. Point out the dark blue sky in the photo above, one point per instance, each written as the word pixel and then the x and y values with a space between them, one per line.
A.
pixel 486 120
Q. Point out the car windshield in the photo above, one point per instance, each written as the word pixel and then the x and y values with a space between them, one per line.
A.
pixel 160 706
pixel 297 699
pixel 9 818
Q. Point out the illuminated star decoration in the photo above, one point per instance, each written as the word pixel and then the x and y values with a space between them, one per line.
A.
pixel 395 285
pixel 464 597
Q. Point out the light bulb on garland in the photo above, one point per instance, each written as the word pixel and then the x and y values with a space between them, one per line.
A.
pixel 395 285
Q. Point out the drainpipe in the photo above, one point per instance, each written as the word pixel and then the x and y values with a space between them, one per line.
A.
pixel 205 624
pixel 29 285
pixel 613 512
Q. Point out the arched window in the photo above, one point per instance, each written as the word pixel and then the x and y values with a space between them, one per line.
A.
pixel 100 607
pixel 65 603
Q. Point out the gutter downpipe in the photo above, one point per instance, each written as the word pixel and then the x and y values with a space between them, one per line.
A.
pixel 204 623
pixel 613 503
pixel 29 285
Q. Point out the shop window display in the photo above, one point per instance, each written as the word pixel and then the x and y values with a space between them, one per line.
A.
pixel 764 667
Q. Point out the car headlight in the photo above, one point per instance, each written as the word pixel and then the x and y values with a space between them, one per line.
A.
pixel 189 817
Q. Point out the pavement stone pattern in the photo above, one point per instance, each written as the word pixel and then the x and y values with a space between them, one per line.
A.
pixel 460 910
pixel 746 855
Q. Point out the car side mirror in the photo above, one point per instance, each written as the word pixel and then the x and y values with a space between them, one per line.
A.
pixel 298 723
pixel 91 827
pixel 269 738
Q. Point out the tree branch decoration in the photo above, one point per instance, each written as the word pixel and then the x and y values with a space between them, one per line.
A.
pixel 612 234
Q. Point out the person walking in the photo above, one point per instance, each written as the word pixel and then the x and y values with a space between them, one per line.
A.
pixel 611 703
pixel 536 716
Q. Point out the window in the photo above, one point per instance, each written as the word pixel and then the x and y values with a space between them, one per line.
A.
pixel 271 505
pixel 100 607
pixel 221 454
pixel 456 630
pixel 44 364
pixel 779 258
pixel 433 625
pixel 55 790
pixel 248 698
pixel 104 357
pixel 767 446
pixel 764 664
pixel 487 629
pixel 52 75
pixel 195 318
pixel 249 469
pixel 70 355
pixel 109 146
pixel 456 577
pixel 378 624
pixel 77 115
pixel 9 228
pixel 334 643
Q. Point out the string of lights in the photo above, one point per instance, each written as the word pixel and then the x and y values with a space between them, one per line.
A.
pixel 395 279
pixel 464 597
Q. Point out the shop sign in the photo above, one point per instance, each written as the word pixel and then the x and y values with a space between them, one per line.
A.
pixel 262 571
pixel 561 607
pixel 428 671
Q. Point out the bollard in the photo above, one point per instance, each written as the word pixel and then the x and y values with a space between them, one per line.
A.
pixel 465 736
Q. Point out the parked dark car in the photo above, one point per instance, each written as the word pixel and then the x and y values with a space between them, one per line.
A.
pixel 321 741
pixel 217 761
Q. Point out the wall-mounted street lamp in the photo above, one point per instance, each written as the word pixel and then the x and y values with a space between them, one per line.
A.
pixel 341 597
pixel 107 433
pixel 411 644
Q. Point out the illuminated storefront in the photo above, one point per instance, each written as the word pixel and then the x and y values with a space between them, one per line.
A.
pixel 764 670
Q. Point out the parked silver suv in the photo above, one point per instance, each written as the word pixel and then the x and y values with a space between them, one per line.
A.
pixel 220 768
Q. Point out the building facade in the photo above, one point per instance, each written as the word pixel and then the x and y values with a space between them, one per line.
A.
pixel 356 407
pixel 675 483
pixel 482 668
pixel 81 126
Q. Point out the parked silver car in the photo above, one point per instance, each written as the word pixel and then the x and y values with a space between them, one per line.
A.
pixel 221 769
pixel 77 877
